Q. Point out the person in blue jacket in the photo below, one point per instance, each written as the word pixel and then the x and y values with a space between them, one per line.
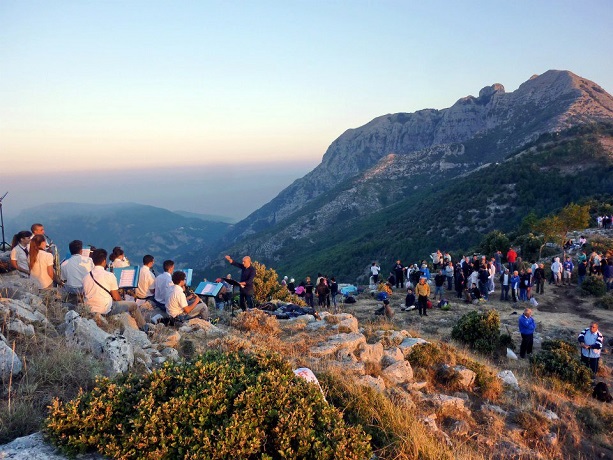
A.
pixel 527 326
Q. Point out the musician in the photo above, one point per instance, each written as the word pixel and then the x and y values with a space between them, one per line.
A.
pixel 75 269
pixel 177 305
pixel 163 284
pixel 246 282
pixel 146 279
pixel 20 254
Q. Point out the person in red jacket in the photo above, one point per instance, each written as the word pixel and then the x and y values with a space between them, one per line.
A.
pixel 511 258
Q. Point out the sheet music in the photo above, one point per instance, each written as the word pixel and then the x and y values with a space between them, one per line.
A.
pixel 126 278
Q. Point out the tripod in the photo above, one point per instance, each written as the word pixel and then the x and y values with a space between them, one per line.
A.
pixel 4 246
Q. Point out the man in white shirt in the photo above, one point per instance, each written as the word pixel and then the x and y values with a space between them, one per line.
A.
pixel 177 306
pixel 163 283
pixel 75 269
pixel 102 294
pixel 146 280
pixel 20 253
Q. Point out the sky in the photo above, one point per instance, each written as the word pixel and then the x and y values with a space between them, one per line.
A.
pixel 216 106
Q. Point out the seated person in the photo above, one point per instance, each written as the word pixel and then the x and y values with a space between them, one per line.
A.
pixel 385 310
pixel 163 284
pixel 20 253
pixel 75 268
pixel 118 259
pixel 41 262
pixel 145 289
pixel 409 301
pixel 102 294
pixel 474 292
pixel 177 305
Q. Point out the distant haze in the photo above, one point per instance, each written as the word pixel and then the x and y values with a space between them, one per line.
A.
pixel 233 191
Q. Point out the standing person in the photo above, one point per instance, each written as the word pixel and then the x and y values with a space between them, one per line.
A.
pixel 291 287
pixel 556 271
pixel 246 282
pixel 322 292
pixel 374 272
pixel 498 261
pixel 145 290
pixel 102 294
pixel 484 277
pixel 511 259
pixel 423 292
pixel 539 279
pixel 437 259
pixel 73 270
pixel 439 283
pixel 505 284
pixel 308 292
pixel 333 291
pixel 527 326
pixel 590 341
pixel 163 284
pixel 515 286
pixel 449 271
pixel 459 281
pixel 398 270
pixel 581 272
pixel 20 254
pixel 41 262
pixel 567 271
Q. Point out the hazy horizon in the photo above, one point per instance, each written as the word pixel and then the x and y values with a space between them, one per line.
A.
pixel 224 190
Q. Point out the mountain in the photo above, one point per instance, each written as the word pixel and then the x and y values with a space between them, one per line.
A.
pixel 207 217
pixel 138 229
pixel 404 158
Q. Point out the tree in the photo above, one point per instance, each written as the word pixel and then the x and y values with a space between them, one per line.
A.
pixel 266 286
pixel 494 241
pixel 555 228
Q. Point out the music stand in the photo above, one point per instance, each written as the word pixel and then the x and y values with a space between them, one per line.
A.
pixel 4 246
pixel 232 283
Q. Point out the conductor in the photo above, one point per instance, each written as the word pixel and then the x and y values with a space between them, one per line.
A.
pixel 246 282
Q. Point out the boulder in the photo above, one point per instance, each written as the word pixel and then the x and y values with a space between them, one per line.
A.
pixel 493 408
pixel 509 379
pixel 400 398
pixel 391 356
pixel 392 338
pixel 548 414
pixel 398 373
pixel 376 383
pixel 10 364
pixel 338 342
pixel 408 343
pixel 34 447
pixel 119 354
pixel 172 340
pixel 19 327
pixel 370 353
pixel 170 353
pixel 441 400
pixel 347 325
pixel 467 377
pixel 209 329
pixel 24 312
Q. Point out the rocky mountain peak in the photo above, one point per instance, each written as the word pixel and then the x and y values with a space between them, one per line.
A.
pixel 489 91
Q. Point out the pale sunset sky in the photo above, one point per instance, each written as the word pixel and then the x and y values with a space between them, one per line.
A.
pixel 216 106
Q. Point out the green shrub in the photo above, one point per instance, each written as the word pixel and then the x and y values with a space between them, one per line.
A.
pixel 479 330
pixel 605 302
pixel 561 360
pixel 593 285
pixel 221 406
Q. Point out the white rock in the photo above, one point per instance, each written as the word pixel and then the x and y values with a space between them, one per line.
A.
pixel 172 340
pixel 347 325
pixel 370 353
pixel 548 414
pixel 447 401
pixel 391 356
pixel 467 377
pixel 24 312
pixel 18 327
pixel 376 383
pixel 33 447
pixel 9 361
pixel 398 373
pixel 119 354
pixel 509 379
pixel 408 343
pixel 210 329
pixel 511 354
pixel 170 353
pixel 493 408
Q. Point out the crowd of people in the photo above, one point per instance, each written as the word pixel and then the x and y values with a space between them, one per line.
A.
pixel 87 275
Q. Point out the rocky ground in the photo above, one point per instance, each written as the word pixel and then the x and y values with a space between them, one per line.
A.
pixel 351 341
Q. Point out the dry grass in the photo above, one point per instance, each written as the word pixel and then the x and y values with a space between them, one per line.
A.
pixel 257 321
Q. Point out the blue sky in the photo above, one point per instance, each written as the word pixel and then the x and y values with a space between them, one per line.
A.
pixel 92 85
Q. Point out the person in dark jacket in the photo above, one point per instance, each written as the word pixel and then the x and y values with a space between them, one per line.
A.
pixel 581 272
pixel 246 281
pixel 322 291
pixel 484 276
pixel 539 279
pixel 527 326
pixel 409 301
pixel 398 270
pixel 333 291
pixel 459 281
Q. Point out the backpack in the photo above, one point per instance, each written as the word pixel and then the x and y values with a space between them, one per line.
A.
pixel 601 392
pixel 350 299
pixel 382 296
pixel 429 304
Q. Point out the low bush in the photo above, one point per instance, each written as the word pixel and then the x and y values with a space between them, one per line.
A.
pixel 561 360
pixel 266 287
pixel 605 302
pixel 479 330
pixel 222 406
pixel 594 286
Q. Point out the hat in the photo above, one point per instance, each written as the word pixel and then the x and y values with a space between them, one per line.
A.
pixel 228 275
pixel 292 280
pixel 285 277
